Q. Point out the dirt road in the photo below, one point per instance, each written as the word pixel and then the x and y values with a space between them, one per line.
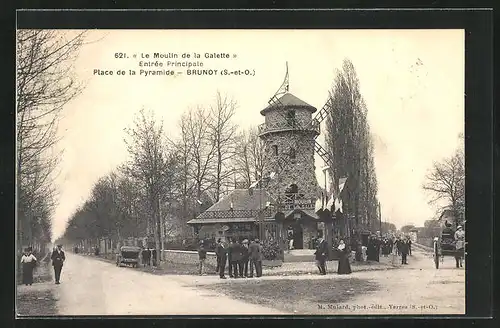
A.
pixel 92 287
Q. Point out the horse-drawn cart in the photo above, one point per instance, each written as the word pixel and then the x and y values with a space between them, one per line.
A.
pixel 446 246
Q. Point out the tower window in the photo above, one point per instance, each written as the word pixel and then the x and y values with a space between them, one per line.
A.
pixel 290 117
pixel 275 150
pixel 292 189
pixel 292 153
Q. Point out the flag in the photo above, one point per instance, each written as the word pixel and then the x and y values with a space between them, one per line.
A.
pixel 330 202
pixel 338 205
pixel 319 205
pixel 342 182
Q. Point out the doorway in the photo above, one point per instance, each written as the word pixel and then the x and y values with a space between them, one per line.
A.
pixel 298 236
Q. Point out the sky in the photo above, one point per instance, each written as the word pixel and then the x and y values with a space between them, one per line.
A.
pixel 411 80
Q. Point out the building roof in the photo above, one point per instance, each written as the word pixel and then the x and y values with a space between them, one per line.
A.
pixel 242 199
pixel 241 205
pixel 291 101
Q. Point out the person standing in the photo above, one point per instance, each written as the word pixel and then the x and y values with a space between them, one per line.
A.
pixel 290 240
pixel 238 259
pixel 28 260
pixel 202 255
pixel 245 257
pixel 58 257
pixel 370 250
pixel 404 251
pixel 217 256
pixel 256 256
pixel 252 252
pixel 409 246
pixel 378 243
pixel 321 253
pixel 230 257
pixel 153 257
pixel 459 245
pixel 344 265
pixel 221 251
pixel 397 245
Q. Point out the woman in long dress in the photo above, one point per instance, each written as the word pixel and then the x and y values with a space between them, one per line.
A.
pixel 28 260
pixel 344 266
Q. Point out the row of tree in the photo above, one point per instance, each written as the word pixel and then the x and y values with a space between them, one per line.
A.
pixel 45 84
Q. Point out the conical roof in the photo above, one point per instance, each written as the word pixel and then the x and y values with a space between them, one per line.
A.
pixel 291 101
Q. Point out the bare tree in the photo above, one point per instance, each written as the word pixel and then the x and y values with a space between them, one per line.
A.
pixel 45 84
pixel 203 149
pixel 250 156
pixel 222 134
pixel 446 184
pixel 148 165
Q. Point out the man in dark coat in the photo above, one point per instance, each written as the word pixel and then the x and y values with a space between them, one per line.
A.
pixel 370 249
pixel 404 251
pixel 221 252
pixel 321 253
pixel 237 258
pixel 146 256
pixel 231 254
pixel 202 256
pixel 245 257
pixel 376 254
pixel 58 259
pixel 256 256
pixel 409 246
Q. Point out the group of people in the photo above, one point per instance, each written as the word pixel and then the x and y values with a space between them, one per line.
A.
pixel 148 256
pixel 321 255
pixel 29 262
pixel 243 256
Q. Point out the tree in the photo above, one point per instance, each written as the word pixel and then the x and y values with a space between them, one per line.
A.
pixel 203 149
pixel 387 226
pixel 250 157
pixel 407 228
pixel 45 84
pixel 148 166
pixel 222 135
pixel 445 183
pixel 349 142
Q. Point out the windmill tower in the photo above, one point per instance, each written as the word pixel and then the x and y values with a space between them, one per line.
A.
pixel 289 134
